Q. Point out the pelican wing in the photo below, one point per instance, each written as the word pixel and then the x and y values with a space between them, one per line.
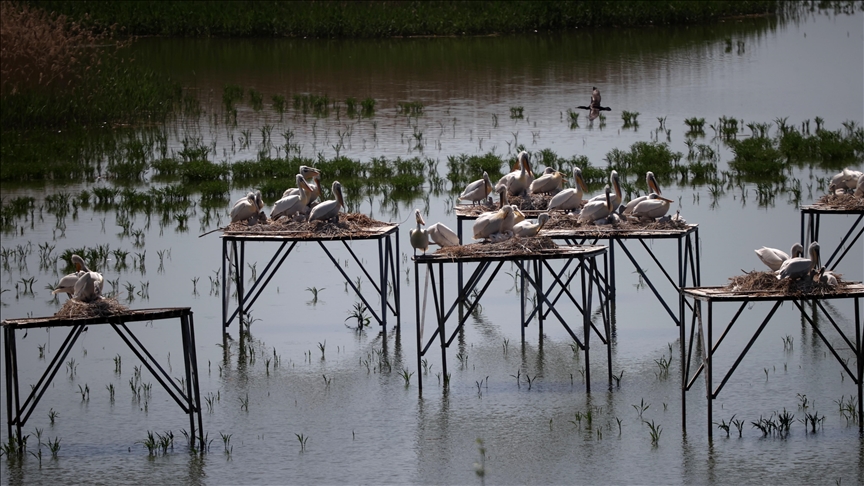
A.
pixel 287 206
pixel 794 268
pixel 325 210
pixel 442 235
pixel 772 257
pixel 486 226
pixel 566 200
pixel 546 183
pixel 651 208
pixel 476 191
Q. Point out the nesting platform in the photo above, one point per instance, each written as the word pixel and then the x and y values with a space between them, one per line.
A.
pixel 189 399
pixel 832 205
pixel 489 255
pixel 720 295
pixel 234 258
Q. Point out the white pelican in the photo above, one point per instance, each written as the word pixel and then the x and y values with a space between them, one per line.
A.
pixel 859 187
pixel 652 187
pixel 656 206
pixel 800 267
pixel 88 287
pixel 245 208
pixel 442 235
pixel 616 186
pixel 288 206
pixel 550 181
pixel 484 227
pixel 309 174
pixel 518 216
pixel 571 198
pixel 846 179
pixel 827 277
pixel 478 190
pixel 67 283
pixel 518 184
pixel 259 201
pixel 596 209
pixel 528 229
pixel 329 209
pixel 517 168
pixel 419 236
pixel 774 258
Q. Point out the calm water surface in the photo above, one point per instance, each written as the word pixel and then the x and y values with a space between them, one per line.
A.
pixel 366 426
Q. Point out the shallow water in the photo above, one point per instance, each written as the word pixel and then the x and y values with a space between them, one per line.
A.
pixel 366 426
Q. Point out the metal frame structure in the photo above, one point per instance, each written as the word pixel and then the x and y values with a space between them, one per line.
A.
pixel 587 268
pixel 712 295
pixel 234 256
pixel 688 262
pixel 813 215
pixel 189 399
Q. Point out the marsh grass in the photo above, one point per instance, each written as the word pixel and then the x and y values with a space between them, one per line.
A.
pixel 645 156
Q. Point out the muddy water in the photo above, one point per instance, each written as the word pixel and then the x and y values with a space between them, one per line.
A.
pixel 362 424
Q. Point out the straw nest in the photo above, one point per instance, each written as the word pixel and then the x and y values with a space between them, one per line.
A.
pixel 514 246
pixel 841 201
pixel 563 221
pixel 767 282
pixel 532 202
pixel 75 309
pixel 349 224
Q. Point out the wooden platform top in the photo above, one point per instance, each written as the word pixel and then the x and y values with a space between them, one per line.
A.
pixel 130 316
pixel 824 208
pixel 606 232
pixel 370 233
pixel 485 252
pixel 725 294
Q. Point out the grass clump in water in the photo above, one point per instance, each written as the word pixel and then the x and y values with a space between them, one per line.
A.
pixel 645 156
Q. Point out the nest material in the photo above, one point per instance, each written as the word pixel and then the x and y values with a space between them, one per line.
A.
pixel 767 282
pixel 563 221
pixel 841 201
pixel 75 309
pixel 513 246
pixel 348 224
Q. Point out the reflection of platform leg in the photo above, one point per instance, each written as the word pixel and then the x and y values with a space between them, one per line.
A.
pixel 586 327
pixel 417 325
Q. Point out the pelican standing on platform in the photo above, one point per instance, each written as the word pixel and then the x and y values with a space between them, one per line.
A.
pixel 478 190
pixel 527 229
pixel 67 283
pixel 550 181
pixel 245 208
pixel 796 268
pixel 570 199
pixel 419 236
pixel 774 258
pixel 518 184
pixel 596 209
pixel 328 210
pixel 292 204
pixel 652 187
pixel 656 206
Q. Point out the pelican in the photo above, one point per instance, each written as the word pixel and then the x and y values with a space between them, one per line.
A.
pixel 800 267
pixel 329 209
pixel 616 186
pixel 859 187
pixel 571 198
pixel 484 227
pixel 288 206
pixel 88 287
pixel 827 277
pixel 419 236
pixel 518 216
pixel 502 196
pixel 245 208
pixel 595 210
pixel 774 258
pixel 654 207
pixel 528 229
pixel 442 235
pixel 652 187
pixel 550 181
pixel 477 190
pixel 521 160
pixel 518 184
pixel 846 179
pixel 309 174
pixel 67 283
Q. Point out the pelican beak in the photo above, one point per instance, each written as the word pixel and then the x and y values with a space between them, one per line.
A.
pixel 665 199
pixel 419 218
pixel 652 183
pixel 581 182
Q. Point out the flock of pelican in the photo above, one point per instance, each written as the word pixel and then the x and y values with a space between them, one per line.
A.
pixel 794 265
pixel 83 285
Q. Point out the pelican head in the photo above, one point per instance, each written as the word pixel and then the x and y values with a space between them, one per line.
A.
pixel 652 182
pixel 616 183
pixel 577 176
pixel 79 264
pixel 813 251
pixel 419 218
pixel 259 201
pixel 543 219
pixel 336 188
pixel 797 251
pixel 309 172
pixel 608 191
pixel 524 161
pixel 502 195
